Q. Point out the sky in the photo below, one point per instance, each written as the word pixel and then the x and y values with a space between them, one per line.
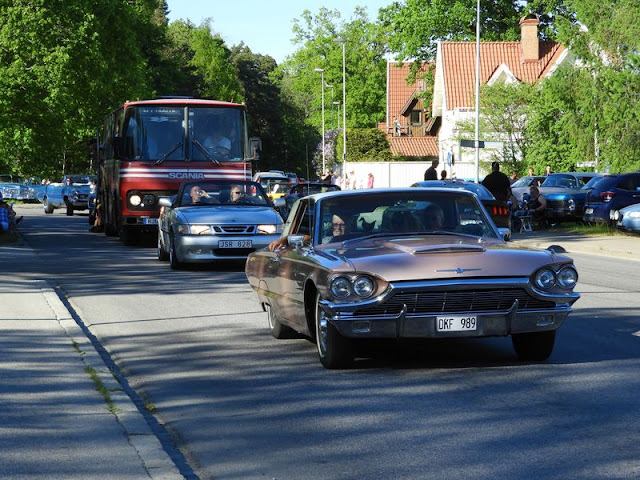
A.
pixel 263 25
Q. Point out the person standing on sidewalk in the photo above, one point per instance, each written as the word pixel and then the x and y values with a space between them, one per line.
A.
pixel 431 173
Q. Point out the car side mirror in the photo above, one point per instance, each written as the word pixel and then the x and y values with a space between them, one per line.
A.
pixel 279 202
pixel 295 240
pixel 164 201
pixel 505 233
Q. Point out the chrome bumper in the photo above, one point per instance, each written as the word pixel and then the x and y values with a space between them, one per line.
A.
pixel 513 319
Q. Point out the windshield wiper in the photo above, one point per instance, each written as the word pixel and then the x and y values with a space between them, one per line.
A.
pixel 205 152
pixel 164 157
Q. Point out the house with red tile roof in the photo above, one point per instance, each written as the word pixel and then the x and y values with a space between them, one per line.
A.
pixel 529 60
pixel 409 127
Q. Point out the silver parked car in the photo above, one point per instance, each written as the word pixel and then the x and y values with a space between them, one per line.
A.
pixel 627 218
pixel 212 220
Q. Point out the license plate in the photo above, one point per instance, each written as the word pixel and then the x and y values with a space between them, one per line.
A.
pixel 235 243
pixel 456 324
pixel 588 211
pixel 150 221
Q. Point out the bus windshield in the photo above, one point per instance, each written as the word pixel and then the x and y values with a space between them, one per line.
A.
pixel 177 133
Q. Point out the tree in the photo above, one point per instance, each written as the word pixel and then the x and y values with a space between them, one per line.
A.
pixel 71 62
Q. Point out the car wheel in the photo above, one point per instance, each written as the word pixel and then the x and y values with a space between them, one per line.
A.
pixel 277 329
pixel 162 253
pixel 48 208
pixel 334 350
pixel 535 346
pixel 173 258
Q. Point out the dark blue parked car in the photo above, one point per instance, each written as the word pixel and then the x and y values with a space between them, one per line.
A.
pixel 613 192
pixel 566 194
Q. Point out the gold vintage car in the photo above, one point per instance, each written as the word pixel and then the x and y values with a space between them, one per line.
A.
pixel 407 263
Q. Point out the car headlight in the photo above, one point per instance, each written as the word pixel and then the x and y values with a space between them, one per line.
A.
pixel 270 229
pixel 340 287
pixel 200 230
pixel 545 278
pixel 363 286
pixel 572 204
pixel 185 229
pixel 135 200
pixel 614 215
pixel 567 277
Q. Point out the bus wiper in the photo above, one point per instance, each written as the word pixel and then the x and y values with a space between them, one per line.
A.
pixel 205 152
pixel 164 157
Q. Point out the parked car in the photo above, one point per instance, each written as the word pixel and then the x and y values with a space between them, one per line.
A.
pixel 627 218
pixel 613 192
pixel 72 193
pixel 500 211
pixel 566 194
pixel 403 263
pixel 14 187
pixel 521 186
pixel 215 224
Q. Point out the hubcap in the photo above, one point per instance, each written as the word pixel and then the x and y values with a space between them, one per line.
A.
pixel 321 331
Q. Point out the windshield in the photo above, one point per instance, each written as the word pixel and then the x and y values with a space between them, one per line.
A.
pixel 159 133
pixel 223 192
pixel 304 190
pixel 565 181
pixel 391 213
pixel 523 182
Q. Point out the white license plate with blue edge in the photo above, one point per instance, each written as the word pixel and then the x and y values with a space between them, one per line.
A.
pixel 235 244
pixel 456 323
pixel 150 221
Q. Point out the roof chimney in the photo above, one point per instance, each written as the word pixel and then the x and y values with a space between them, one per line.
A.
pixel 529 38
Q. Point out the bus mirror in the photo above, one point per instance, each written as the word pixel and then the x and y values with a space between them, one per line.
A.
pixel 255 148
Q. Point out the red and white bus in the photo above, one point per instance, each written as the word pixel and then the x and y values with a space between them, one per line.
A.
pixel 149 147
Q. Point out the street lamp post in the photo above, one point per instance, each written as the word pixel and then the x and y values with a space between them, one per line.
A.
pixel 321 71
pixel 344 110
pixel 331 87
pixel 477 132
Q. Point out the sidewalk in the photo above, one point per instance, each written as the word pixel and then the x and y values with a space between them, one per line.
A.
pixel 54 423
pixel 620 246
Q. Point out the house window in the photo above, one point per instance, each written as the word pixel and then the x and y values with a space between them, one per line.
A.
pixel 416 117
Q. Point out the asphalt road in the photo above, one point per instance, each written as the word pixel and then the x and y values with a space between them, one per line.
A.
pixel 242 405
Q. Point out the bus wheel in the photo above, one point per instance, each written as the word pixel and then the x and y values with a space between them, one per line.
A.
pixel 110 230
pixel 128 237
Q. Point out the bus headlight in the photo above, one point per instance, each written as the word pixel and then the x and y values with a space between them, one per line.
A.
pixel 135 200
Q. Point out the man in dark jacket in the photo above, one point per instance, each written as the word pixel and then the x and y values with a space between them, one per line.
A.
pixel 498 183
pixel 431 173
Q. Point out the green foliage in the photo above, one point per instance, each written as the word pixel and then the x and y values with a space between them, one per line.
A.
pixel 365 145
pixel 61 74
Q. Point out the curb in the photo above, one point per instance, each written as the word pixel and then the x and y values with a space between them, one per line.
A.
pixel 139 434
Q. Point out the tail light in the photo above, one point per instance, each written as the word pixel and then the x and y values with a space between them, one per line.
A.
pixel 500 210
pixel 607 196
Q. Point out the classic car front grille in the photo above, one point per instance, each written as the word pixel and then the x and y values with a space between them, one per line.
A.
pixel 473 300
pixel 235 229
